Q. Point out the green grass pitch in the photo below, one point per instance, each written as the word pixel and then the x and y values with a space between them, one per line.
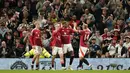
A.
pixel 67 71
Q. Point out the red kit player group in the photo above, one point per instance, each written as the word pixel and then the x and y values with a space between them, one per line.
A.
pixel 61 44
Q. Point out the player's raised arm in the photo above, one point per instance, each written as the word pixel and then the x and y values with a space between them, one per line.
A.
pixel 31 38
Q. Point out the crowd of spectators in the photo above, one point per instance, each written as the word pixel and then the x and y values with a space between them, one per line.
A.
pixel 109 21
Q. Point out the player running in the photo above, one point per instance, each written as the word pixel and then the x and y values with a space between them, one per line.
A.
pixel 83 48
pixel 36 42
pixel 57 49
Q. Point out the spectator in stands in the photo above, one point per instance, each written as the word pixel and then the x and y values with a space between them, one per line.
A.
pixel 19 6
pixel 9 39
pixel 121 51
pixel 122 36
pixel 42 15
pixel 5 52
pixel 87 4
pixel 98 37
pixel 119 24
pixel 104 47
pixel 18 48
pixel 39 5
pixel 73 21
pixel 109 36
pixel 107 55
pixel 127 43
pixel 103 19
pixel 127 28
pixel 46 41
pixel 33 7
pixel 88 18
pixel 3 28
pixel 112 48
pixel 25 15
pixel 24 40
pixel 67 8
pixel 95 50
pixel 116 34
pixel 104 35
pixel 110 22
pixel 6 6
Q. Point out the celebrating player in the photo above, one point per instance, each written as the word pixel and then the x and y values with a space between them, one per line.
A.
pixel 36 42
pixel 66 33
pixel 84 35
pixel 57 49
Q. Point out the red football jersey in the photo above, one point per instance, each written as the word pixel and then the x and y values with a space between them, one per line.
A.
pixel 35 38
pixel 56 36
pixel 66 35
pixel 84 35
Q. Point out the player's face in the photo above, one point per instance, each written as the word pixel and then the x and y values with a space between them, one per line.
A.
pixel 65 25
pixel 37 25
pixel 85 27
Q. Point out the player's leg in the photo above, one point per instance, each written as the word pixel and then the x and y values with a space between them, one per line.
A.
pixel 81 57
pixel 71 57
pixel 82 52
pixel 34 57
pixel 87 63
pixel 80 66
pixel 64 65
pixel 64 54
pixel 54 52
pixel 60 52
pixel 38 52
pixel 37 61
pixel 71 52
pixel 53 61
pixel 33 61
